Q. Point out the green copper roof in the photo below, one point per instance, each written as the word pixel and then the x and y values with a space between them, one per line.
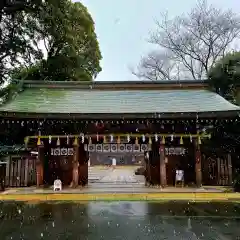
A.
pixel 50 100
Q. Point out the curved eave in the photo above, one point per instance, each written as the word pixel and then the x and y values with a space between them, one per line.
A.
pixel 100 116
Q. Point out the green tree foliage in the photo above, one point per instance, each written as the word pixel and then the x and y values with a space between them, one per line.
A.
pixel 224 76
pixel 67 32
pixel 15 44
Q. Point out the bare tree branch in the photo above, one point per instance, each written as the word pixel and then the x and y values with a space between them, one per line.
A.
pixel 196 40
pixel 156 66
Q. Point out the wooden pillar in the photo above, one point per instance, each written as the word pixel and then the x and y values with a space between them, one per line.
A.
pixel 198 164
pixel 39 165
pixel 163 177
pixel 83 166
pixel 229 169
pixel 219 180
pixel 75 174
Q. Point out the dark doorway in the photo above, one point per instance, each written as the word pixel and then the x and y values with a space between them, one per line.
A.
pixel 59 167
pixel 185 163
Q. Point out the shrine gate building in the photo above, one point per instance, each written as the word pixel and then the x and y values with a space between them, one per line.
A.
pixel 55 126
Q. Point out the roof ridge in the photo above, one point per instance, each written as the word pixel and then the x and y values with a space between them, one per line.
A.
pixel 116 84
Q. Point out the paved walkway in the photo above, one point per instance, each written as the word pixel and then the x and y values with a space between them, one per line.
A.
pixel 123 176
pixel 118 184
pixel 96 173
pixel 119 175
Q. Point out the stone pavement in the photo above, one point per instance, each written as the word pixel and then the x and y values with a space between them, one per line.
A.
pixel 108 175
pixel 96 173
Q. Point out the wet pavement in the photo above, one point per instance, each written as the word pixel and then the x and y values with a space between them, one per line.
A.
pixel 120 220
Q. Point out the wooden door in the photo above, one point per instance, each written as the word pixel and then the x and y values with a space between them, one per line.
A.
pixel 210 171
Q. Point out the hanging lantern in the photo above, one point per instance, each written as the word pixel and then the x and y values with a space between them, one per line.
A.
pixel 181 140
pixel 58 142
pixel 199 141
pixel 111 138
pixel 190 138
pixel 118 140
pixel 163 140
pixel 39 141
pixel 104 139
pixel 171 138
pixel 150 140
pixel 89 140
pixel 128 138
pixel 75 143
pixel 49 139
pixel 136 141
pixel 156 137
pixel 143 138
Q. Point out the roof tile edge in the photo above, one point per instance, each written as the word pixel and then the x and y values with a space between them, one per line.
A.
pixel 117 85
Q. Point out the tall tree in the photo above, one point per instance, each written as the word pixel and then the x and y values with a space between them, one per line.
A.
pixel 65 31
pixel 224 76
pixel 14 41
pixel 196 40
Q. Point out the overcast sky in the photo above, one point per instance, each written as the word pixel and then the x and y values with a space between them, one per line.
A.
pixel 123 26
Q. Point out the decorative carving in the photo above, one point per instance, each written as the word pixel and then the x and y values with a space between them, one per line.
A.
pixel 144 147
pixel 114 148
pixel 106 147
pixel 64 152
pixel 129 147
pixel 117 147
pixel 70 151
pixel 57 152
pixel 99 148
pixel 136 148
pixel 61 151
pixel 121 148
pixel 175 151
pixel 91 148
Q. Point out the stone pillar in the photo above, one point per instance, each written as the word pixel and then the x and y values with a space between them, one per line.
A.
pixel 163 177
pixel 75 174
pixel 39 165
pixel 198 164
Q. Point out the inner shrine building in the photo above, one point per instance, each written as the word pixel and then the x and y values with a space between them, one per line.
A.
pixel 63 122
